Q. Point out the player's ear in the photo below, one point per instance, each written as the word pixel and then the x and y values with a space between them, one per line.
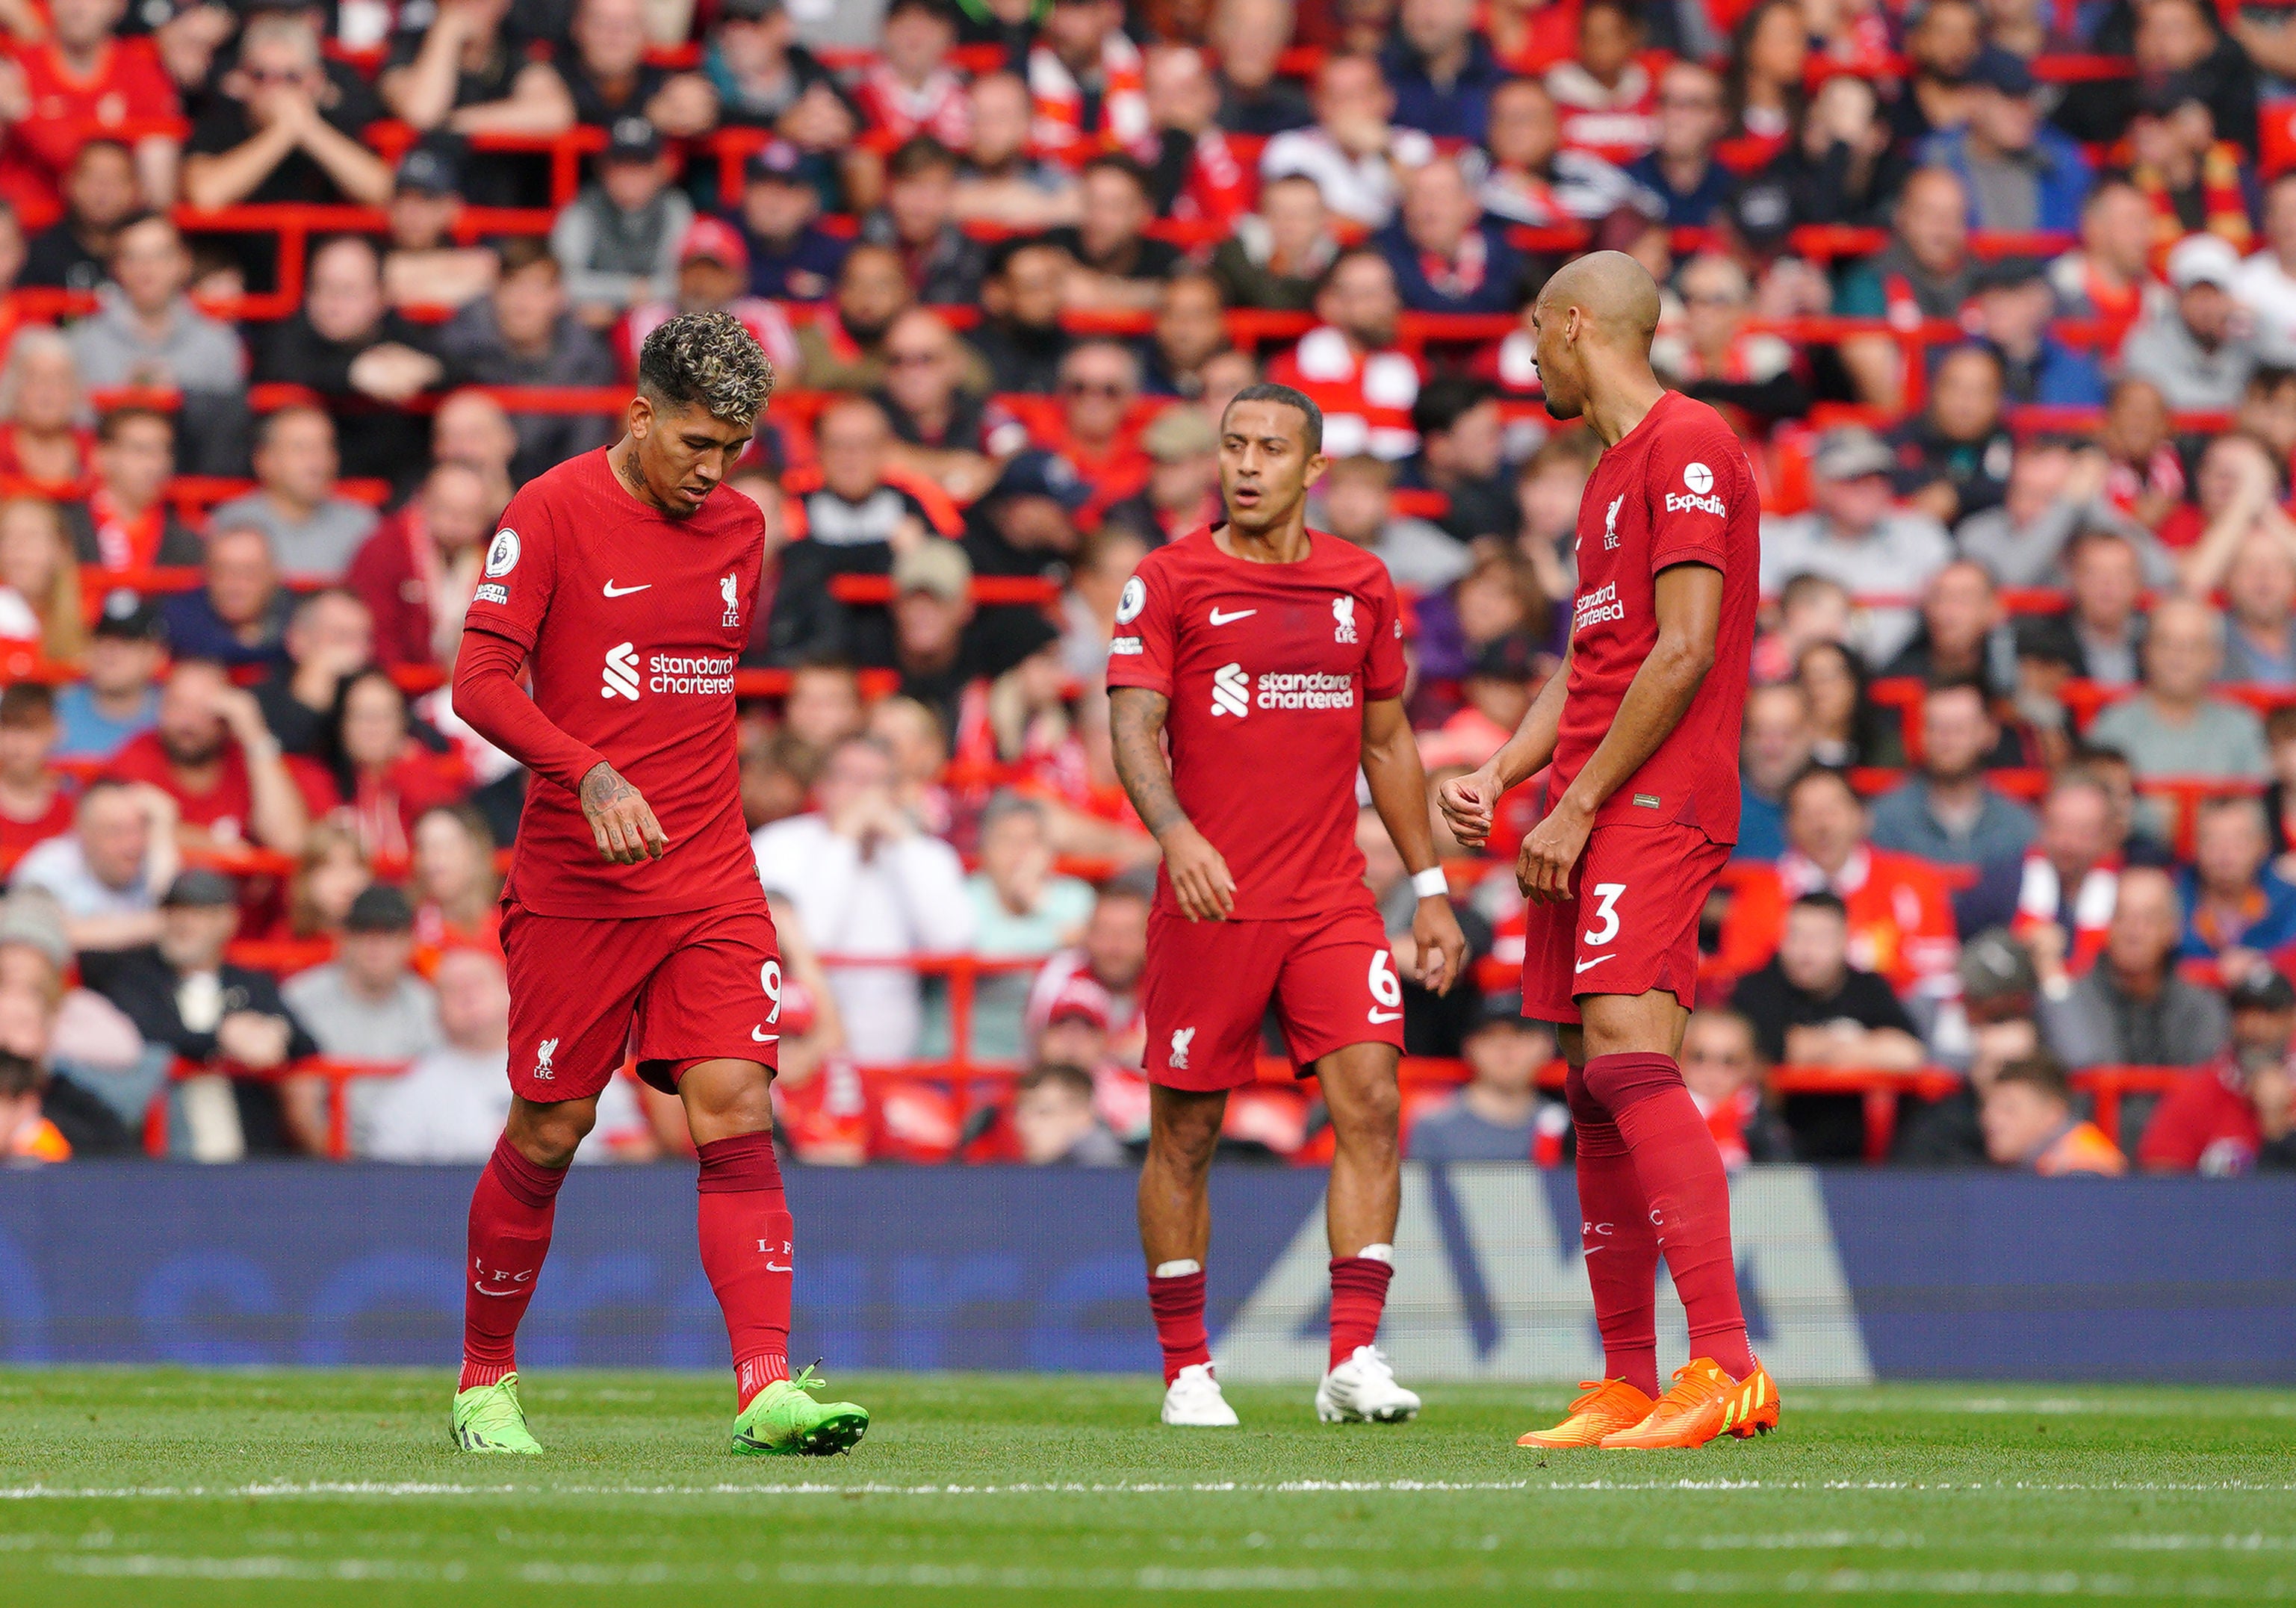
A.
pixel 1317 465
pixel 639 418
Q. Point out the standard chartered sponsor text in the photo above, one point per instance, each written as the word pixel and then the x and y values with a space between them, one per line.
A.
pixel 701 673
pixel 1305 690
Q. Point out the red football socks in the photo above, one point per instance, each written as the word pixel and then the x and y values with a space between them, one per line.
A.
pixel 747 1238
pixel 1689 1194
pixel 1621 1247
pixel 1358 1295
pixel 1178 1301
pixel 511 1211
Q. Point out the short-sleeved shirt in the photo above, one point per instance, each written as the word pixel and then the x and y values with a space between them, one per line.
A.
pixel 225 809
pixel 225 126
pixel 1676 490
pixel 1269 667
pixel 633 621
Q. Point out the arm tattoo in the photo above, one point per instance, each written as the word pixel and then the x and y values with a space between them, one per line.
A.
pixel 604 786
pixel 1135 719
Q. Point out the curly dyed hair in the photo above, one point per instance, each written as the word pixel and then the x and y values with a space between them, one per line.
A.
pixel 710 358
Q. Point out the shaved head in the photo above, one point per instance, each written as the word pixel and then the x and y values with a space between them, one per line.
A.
pixel 1592 325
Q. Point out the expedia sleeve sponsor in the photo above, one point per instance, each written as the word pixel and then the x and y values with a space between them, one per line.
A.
pixel 702 673
pixel 1305 690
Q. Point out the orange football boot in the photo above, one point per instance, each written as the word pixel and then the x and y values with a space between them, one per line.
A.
pixel 1704 1402
pixel 1609 1405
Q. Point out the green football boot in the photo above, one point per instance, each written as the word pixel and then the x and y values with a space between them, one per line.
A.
pixel 785 1421
pixel 487 1418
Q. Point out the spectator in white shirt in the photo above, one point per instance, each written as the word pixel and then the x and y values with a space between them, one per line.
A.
pixel 869 884
pixel 1355 153
pixel 2266 283
pixel 109 871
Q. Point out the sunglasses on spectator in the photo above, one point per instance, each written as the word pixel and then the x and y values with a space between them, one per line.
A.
pixel 1106 389
pixel 285 75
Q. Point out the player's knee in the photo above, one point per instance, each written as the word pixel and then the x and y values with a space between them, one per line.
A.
pixel 1185 1134
pixel 1369 1116
pixel 1616 1081
pixel 548 1136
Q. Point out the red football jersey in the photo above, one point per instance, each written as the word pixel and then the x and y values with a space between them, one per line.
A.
pixel 67 111
pixel 1677 489
pixel 1269 667
pixel 632 621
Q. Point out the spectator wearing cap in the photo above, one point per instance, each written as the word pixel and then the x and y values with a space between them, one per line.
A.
pixel 1356 504
pixel 617 241
pixel 1354 150
pixel 1026 522
pixel 213 755
pixel 2220 1116
pixel 2029 1125
pixel 1534 178
pixel 281 126
pixel 791 258
pixel 1811 1005
pixel 1857 535
pixel 1446 257
pixel 2020 173
pixel 841 347
pixel 2192 349
pixel 1183 490
pixel 365 360
pixel 33 805
pixel 1925 272
pixel 94 1074
pixel 868 883
pixel 466 66
pixel 1947 813
pixel 1275 256
pixel 2264 285
pixel 1019 334
pixel 609 78
pixel 524 332
pixel 117 694
pixel 1364 383
pixel 227 1019
pixel 943 428
pixel 2011 317
pixel 2173 726
pixel 125 527
pixel 1679 168
pixel 309 530
pixel 1003 180
pixel 1953 455
pixel 1495 1116
pixel 145 332
pixel 2193 181
pixel 944 264
pixel 1022 909
pixel 2131 1007
pixel 934 648
pixel 366 1005
pixel 765 79
pixel 713 276
pixel 422 265
pixel 2237 907
pixel 1712 355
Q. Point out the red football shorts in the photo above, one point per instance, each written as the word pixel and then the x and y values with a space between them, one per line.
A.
pixel 1208 986
pixel 1630 924
pixel 694 986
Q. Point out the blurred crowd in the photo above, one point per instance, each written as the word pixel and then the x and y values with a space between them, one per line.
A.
pixel 2000 294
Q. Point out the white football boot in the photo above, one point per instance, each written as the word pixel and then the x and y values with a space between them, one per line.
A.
pixel 1193 1401
pixel 1362 1390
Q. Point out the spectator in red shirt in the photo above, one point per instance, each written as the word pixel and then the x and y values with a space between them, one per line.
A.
pixel 455 886
pixel 2213 1120
pixel 910 89
pixel 1606 97
pixel 1100 382
pixel 416 572
pixel 387 770
pixel 85 81
pixel 212 754
pixel 1531 36
pixel 33 805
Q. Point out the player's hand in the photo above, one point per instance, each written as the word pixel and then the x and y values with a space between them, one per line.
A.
pixel 1467 802
pixel 1442 947
pixel 1543 869
pixel 1200 876
pixel 621 819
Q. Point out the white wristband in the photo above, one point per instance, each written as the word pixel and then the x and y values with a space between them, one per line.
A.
pixel 1431 883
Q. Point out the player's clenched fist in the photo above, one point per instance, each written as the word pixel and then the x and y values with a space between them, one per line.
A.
pixel 1466 803
pixel 1200 876
pixel 1441 948
pixel 1543 869
pixel 620 819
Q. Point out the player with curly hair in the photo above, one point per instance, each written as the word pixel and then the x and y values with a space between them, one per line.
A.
pixel 626 580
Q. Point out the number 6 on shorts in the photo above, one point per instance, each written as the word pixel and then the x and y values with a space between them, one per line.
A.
pixel 1606 915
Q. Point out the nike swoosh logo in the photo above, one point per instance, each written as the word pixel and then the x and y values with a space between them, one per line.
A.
pixel 614 591
pixel 1592 1249
pixel 1588 964
pixel 757 1037
pixel 497 1294
pixel 1219 619
pixel 1378 1016
pixel 777 1266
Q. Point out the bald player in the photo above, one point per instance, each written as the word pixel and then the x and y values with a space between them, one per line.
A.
pixel 1639 738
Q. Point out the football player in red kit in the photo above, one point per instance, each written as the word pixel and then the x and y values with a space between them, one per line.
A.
pixel 633 920
pixel 1270 658
pixel 1638 735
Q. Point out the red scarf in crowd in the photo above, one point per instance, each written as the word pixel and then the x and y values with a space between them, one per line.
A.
pixel 2040 897
pixel 1058 128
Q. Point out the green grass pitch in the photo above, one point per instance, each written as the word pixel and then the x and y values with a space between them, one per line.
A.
pixel 184 1486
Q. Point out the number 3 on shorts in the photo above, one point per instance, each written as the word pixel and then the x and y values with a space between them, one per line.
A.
pixel 1606 914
